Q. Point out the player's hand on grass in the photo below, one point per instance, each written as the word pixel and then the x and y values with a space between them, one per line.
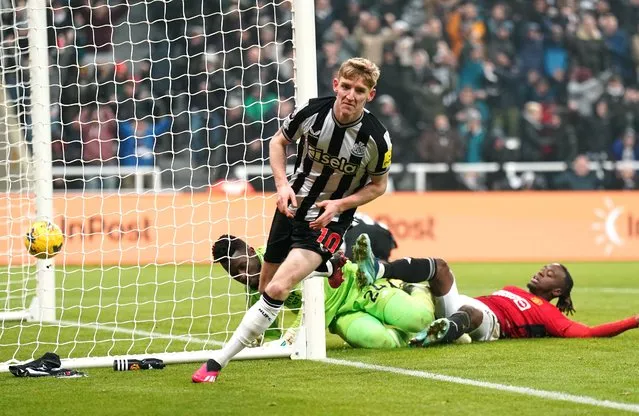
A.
pixel 286 196
pixel 331 208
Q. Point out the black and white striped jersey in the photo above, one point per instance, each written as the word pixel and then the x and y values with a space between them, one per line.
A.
pixel 333 160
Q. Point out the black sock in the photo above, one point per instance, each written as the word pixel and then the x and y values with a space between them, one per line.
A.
pixel 272 302
pixel 322 268
pixel 212 365
pixel 459 325
pixel 411 270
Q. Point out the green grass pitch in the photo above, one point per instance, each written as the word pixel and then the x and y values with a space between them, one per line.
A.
pixel 193 300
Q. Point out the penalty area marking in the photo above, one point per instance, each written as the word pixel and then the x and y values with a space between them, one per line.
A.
pixel 153 335
pixel 527 391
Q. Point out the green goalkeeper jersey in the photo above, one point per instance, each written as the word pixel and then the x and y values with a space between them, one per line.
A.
pixel 336 301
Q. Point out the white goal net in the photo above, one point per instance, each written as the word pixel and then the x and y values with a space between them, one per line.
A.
pixel 155 111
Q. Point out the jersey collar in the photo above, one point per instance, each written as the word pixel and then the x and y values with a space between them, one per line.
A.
pixel 351 124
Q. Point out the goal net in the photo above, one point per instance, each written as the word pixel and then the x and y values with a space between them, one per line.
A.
pixel 141 130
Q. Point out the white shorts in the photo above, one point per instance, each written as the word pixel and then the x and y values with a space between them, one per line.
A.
pixel 489 329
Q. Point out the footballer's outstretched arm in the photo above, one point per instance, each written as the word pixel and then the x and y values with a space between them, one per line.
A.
pixel 611 329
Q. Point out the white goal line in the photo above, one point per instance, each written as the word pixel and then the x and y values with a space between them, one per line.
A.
pixel 527 391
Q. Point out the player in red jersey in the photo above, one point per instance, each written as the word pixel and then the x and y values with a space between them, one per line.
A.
pixel 511 312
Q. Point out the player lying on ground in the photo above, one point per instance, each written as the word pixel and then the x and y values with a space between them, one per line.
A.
pixel 511 312
pixel 381 238
pixel 377 316
pixel 343 157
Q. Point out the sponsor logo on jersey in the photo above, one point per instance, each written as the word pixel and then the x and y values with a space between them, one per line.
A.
pixel 358 150
pixel 387 158
pixel 338 163
pixel 521 303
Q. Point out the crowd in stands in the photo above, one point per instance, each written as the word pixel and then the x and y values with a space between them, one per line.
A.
pixel 462 81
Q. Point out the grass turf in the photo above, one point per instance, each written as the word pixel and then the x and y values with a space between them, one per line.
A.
pixel 604 369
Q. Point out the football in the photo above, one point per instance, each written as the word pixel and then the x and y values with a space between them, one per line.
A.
pixel 44 239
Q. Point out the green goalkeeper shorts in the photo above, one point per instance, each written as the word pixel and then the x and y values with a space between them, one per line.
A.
pixel 394 307
pixel 361 330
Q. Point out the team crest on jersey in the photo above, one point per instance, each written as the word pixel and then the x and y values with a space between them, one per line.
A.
pixel 358 150
pixel 536 301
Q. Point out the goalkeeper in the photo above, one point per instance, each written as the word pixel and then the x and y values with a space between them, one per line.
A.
pixel 380 315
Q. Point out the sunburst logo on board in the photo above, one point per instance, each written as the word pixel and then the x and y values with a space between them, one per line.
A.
pixel 614 226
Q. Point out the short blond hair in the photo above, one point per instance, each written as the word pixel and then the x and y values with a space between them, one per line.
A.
pixel 360 67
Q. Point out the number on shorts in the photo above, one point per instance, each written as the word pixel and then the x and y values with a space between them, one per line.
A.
pixel 331 241
pixel 371 295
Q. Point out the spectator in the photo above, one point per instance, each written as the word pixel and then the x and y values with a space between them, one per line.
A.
pixel 436 56
pixel 502 94
pixel 626 148
pixel 579 178
pixel 531 53
pixel 399 129
pixel 635 47
pixel 625 178
pixel 328 64
pixel 498 22
pixel 565 137
pixel 618 46
pixel 532 146
pixel 473 133
pixel 416 84
pixel 556 58
pixel 501 42
pixel 471 73
pixel 99 134
pixel 372 37
pixel 590 51
pixel 598 133
pixel 341 38
pixel 583 91
pixel 323 18
pixel 99 21
pixel 464 28
pixel 138 140
pixel 500 148
pixel 614 95
pixel 429 35
pixel 392 82
pixel 441 144
pixel 460 108
pixel 243 142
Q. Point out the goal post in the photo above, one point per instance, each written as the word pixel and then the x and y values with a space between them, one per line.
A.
pixel 43 307
pixel 135 277
pixel 306 80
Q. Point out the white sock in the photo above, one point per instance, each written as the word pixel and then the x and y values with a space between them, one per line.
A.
pixel 256 320
pixel 381 270
pixel 448 304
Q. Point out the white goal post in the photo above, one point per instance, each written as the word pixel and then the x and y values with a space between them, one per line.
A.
pixel 135 278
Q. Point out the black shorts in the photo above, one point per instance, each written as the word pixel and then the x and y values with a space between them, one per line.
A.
pixel 287 233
